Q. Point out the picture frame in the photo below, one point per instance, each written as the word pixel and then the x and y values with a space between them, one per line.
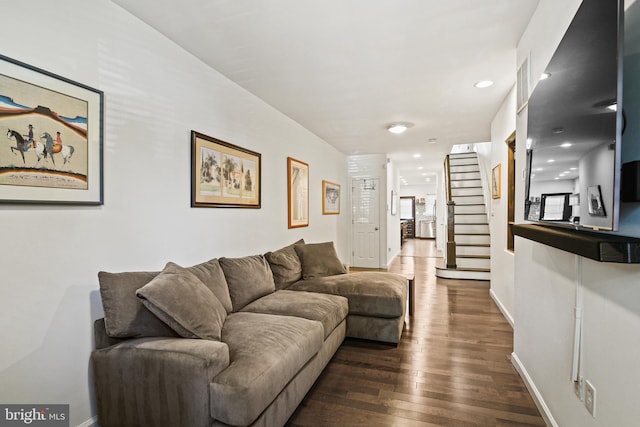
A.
pixel 594 201
pixel 330 198
pixel 394 203
pixel 224 175
pixel 55 130
pixel 297 193
pixel 496 180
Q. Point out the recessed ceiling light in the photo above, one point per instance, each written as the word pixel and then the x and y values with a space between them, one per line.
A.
pixel 573 169
pixel 565 145
pixel 417 156
pixel 550 161
pixel 432 140
pixel 399 128
pixel 539 169
pixel 545 76
pixel 483 84
pixel 420 168
pixel 613 107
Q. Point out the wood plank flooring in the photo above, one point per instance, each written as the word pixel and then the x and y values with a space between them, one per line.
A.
pixel 451 367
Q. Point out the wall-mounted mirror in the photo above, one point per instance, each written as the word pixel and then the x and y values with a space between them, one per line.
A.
pixel 574 124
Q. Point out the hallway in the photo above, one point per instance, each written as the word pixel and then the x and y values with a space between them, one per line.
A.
pixel 451 367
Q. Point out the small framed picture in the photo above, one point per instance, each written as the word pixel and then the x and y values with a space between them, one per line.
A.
pixel 298 193
pixel 496 181
pixel 330 198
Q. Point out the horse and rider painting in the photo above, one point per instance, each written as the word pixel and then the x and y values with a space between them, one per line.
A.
pixel 34 120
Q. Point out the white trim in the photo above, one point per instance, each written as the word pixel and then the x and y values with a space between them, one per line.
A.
pixel 502 308
pixel 533 391
pixel 91 422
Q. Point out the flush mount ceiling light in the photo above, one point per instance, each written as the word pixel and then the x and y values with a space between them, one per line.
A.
pixel 483 84
pixel 399 128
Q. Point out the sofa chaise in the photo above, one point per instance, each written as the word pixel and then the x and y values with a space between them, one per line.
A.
pixel 232 341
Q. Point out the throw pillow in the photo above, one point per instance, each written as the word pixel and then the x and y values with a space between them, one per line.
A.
pixel 249 278
pixel 124 314
pixel 319 260
pixel 182 301
pixel 285 265
pixel 212 276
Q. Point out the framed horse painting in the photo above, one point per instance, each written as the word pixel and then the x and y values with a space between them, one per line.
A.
pixel 53 151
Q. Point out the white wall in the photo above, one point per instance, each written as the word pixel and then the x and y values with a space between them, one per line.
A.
pixel 155 93
pixel 546 283
pixel 502 260
pixel 393 221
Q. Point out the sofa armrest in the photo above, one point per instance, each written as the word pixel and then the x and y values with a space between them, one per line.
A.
pixel 157 381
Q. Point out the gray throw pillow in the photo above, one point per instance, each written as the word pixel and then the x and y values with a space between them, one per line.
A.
pixel 212 276
pixel 249 278
pixel 285 265
pixel 124 314
pixel 319 260
pixel 182 301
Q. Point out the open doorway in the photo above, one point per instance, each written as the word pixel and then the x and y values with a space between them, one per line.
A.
pixel 408 216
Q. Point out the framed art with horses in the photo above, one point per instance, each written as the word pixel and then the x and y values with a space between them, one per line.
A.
pixel 52 152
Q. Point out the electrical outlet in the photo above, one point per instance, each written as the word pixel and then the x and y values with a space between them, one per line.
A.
pixel 590 398
pixel 578 388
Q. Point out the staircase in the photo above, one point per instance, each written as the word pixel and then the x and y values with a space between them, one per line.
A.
pixel 468 249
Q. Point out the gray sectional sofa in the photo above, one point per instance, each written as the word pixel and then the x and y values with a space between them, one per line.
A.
pixel 232 341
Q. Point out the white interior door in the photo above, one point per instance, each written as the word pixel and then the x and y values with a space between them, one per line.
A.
pixel 365 199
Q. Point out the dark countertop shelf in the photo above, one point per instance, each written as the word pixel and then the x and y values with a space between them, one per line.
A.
pixel 601 247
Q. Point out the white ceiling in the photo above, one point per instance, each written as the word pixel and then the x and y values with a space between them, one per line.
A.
pixel 345 69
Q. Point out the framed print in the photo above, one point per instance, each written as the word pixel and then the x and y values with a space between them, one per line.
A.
pixel 330 198
pixel 394 203
pixel 596 206
pixel 297 193
pixel 224 175
pixel 52 152
pixel 495 181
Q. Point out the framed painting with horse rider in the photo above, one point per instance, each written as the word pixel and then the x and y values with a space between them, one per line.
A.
pixel 52 152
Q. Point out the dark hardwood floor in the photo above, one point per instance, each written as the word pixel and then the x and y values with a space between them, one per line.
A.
pixel 451 367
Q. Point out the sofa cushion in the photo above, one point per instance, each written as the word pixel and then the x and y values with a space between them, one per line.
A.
pixel 266 352
pixel 319 260
pixel 248 278
pixel 285 265
pixel 178 298
pixel 124 314
pixel 212 276
pixel 374 294
pixel 330 310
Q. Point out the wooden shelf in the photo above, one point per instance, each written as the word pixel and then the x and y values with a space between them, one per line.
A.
pixel 601 247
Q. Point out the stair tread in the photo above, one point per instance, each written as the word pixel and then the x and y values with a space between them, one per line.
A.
pixel 480 245
pixel 473 256
pixel 485 270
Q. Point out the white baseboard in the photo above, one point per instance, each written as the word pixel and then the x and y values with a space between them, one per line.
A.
pixel 91 422
pixel 502 308
pixel 533 390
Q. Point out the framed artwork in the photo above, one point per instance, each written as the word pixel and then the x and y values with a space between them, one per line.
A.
pixel 224 175
pixel 394 203
pixel 330 198
pixel 594 197
pixel 495 181
pixel 297 193
pixel 53 150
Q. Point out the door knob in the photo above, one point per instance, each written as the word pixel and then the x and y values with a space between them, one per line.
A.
pixel 376 229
